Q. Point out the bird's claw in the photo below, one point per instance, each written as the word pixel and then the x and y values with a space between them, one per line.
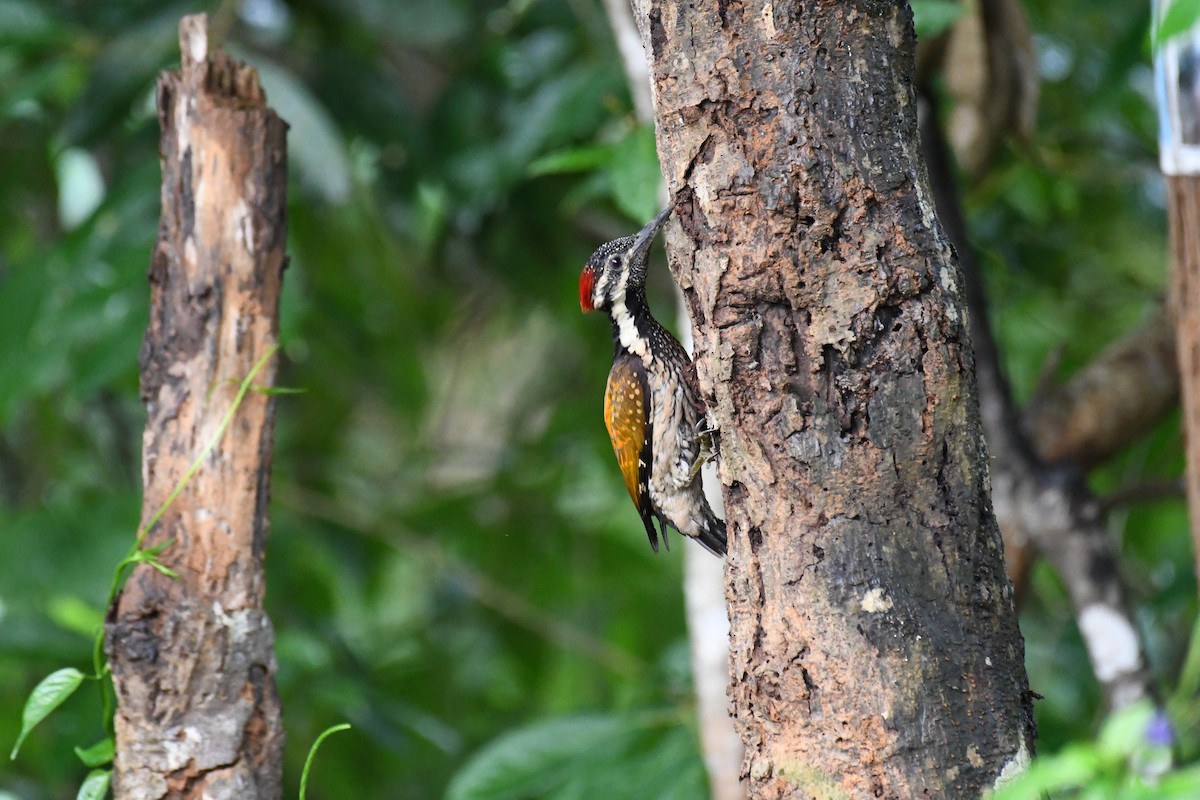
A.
pixel 710 446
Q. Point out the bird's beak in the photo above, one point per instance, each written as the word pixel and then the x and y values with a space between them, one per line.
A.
pixel 646 235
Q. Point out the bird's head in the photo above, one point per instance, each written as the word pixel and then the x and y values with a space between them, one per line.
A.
pixel 618 268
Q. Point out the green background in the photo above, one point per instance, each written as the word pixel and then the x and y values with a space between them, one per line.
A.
pixel 454 566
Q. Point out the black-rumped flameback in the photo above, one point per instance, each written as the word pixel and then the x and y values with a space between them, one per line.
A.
pixel 653 411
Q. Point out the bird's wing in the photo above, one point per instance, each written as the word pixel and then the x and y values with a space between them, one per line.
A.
pixel 627 417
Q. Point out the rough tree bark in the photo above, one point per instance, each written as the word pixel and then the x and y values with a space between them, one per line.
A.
pixel 1184 214
pixel 1178 87
pixel 192 658
pixel 875 649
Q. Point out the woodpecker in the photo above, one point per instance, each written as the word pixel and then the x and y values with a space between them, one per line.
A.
pixel 652 408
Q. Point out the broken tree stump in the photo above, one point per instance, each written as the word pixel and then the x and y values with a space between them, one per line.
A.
pixel 192 656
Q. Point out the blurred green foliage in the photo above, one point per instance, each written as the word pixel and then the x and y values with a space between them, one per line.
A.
pixel 1128 760
pixel 454 568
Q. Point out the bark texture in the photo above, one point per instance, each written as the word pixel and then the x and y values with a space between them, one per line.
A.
pixel 1184 214
pixel 875 649
pixel 192 658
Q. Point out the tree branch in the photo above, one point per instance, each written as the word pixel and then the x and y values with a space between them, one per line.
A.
pixel 1111 402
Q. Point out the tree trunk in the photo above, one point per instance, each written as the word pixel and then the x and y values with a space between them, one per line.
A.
pixel 192 657
pixel 1178 87
pixel 875 648
pixel 1184 214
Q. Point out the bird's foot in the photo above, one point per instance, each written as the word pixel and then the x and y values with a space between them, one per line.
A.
pixel 708 452
pixel 710 442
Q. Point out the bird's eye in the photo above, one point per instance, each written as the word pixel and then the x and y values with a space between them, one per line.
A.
pixel 614 262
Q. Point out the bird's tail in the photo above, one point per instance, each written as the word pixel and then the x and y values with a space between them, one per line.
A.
pixel 712 534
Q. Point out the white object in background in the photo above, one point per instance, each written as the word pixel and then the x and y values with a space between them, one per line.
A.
pixel 1177 91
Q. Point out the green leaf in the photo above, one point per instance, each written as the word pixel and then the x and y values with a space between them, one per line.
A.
pixel 636 176
pixel 163 568
pixel 575 159
pixel 1180 785
pixel 1180 17
pixel 530 761
pixel 46 696
pixel 95 785
pixel 666 764
pixel 1074 766
pixel 271 391
pixel 557 113
pixel 1125 730
pixel 80 186
pixel 312 752
pixel 156 550
pixel 72 614
pixel 934 17
pixel 97 755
